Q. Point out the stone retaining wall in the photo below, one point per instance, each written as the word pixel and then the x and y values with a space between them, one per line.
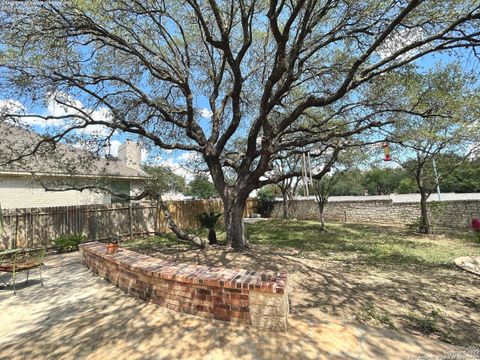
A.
pixel 444 215
pixel 241 296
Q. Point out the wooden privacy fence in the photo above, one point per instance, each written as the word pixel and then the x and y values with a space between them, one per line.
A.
pixel 30 227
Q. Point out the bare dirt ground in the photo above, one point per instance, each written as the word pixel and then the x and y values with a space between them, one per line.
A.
pixel 77 315
pixel 413 290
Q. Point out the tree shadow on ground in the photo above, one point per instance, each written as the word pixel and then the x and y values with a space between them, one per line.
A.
pixel 77 315
pixel 359 272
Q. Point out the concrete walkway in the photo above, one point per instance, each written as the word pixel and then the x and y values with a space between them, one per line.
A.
pixel 77 315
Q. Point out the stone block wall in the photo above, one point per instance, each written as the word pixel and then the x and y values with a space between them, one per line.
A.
pixel 444 215
pixel 233 295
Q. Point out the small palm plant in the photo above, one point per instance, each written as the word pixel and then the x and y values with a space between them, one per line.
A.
pixel 209 220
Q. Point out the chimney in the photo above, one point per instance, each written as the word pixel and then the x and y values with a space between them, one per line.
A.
pixel 130 154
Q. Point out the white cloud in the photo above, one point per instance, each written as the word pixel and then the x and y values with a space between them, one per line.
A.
pixel 400 39
pixel 75 107
pixel 177 168
pixel 205 113
pixel 60 104
pixel 11 106
pixel 187 156
pixel 55 106
pixel 183 165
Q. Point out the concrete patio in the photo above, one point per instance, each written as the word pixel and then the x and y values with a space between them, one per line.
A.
pixel 78 315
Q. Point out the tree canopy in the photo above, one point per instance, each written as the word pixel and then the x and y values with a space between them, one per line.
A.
pixel 279 77
pixel 163 180
pixel 201 187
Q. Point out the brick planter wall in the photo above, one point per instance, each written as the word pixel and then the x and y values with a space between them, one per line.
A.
pixel 233 295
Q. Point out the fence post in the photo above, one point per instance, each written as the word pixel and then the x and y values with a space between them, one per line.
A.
pixel 15 239
pixel 156 218
pixel 131 220
pixel 95 228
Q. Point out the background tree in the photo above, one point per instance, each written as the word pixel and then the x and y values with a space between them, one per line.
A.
pixel 442 124
pixel 322 189
pixel 382 181
pixel 201 187
pixel 324 181
pixel 406 186
pixel 463 179
pixel 140 67
pixel 163 180
pixel 349 183
pixel 266 200
pixel 288 186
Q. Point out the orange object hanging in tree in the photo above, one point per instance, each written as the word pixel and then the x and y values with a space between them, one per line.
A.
pixel 386 150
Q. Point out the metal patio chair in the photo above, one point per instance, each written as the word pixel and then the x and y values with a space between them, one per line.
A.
pixel 18 260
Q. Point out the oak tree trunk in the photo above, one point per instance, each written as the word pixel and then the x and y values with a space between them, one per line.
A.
pixel 233 215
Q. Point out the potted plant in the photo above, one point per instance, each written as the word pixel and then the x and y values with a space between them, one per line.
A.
pixel 209 220
pixel 112 245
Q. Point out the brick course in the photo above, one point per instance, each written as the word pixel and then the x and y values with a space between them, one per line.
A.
pixel 211 292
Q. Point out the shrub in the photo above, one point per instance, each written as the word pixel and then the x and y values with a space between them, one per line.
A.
pixel 265 201
pixel 66 243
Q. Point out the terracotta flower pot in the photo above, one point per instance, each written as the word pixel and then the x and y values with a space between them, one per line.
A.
pixel 112 248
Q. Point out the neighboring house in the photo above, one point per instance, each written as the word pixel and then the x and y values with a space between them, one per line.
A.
pixel 23 182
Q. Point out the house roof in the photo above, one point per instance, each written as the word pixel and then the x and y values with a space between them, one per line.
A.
pixel 58 159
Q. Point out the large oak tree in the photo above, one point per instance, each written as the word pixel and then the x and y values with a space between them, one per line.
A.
pixel 264 67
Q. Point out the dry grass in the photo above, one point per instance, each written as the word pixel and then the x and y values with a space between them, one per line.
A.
pixel 377 275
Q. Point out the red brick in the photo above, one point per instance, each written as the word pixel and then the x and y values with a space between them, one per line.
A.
pixel 203 308
pixel 218 311
pixel 221 317
pixel 238 314
pixel 233 291
pixel 239 302
pixel 204 291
